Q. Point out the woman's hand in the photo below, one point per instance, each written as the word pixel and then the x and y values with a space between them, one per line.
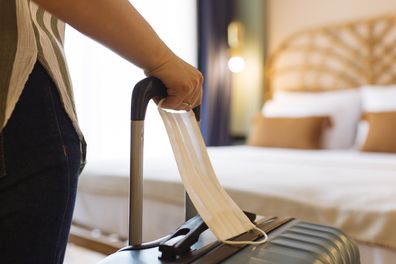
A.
pixel 183 83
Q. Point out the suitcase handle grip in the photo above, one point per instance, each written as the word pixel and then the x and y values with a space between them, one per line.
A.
pixel 144 91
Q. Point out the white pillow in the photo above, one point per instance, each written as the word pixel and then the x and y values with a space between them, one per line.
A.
pixel 361 134
pixel 342 106
pixel 378 98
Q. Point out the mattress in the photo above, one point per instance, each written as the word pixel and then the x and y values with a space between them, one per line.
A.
pixel 351 190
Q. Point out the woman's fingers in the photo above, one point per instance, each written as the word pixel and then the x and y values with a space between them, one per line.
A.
pixel 194 99
pixel 183 98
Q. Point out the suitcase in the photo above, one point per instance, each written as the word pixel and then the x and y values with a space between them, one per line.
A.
pixel 290 241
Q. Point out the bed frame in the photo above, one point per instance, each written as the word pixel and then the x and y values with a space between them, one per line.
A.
pixel 342 56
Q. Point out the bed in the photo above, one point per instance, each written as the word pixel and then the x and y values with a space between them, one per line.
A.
pixel 340 185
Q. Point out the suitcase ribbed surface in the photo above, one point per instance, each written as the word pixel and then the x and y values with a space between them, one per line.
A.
pixel 300 243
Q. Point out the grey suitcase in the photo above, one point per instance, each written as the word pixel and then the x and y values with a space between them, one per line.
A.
pixel 290 240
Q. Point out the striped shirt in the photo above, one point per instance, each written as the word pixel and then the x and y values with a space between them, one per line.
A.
pixel 29 33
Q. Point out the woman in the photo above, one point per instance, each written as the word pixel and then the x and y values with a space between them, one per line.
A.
pixel 42 149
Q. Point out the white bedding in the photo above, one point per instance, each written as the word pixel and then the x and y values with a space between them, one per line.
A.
pixel 348 189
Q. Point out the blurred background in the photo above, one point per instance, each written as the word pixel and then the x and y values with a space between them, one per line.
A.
pixel 228 40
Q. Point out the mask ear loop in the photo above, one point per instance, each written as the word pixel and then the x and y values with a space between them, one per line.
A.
pixel 161 108
pixel 160 103
pixel 261 241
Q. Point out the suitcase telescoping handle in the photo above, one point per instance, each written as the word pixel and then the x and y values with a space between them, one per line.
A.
pixel 143 92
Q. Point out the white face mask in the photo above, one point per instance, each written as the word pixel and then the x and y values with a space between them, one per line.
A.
pixel 221 214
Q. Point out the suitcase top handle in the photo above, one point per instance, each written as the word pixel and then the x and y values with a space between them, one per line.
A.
pixel 144 91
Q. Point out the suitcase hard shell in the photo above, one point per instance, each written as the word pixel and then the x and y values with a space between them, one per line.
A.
pixel 289 240
pixel 296 242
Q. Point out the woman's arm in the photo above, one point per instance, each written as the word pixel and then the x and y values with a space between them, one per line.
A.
pixel 118 25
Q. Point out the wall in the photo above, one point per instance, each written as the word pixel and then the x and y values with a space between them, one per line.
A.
pixel 247 86
pixel 288 16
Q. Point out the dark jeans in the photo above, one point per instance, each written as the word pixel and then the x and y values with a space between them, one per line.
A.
pixel 39 166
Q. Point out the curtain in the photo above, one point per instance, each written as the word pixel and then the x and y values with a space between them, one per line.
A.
pixel 103 81
pixel 213 19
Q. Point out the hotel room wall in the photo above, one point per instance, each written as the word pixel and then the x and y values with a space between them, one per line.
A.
pixel 247 86
pixel 288 16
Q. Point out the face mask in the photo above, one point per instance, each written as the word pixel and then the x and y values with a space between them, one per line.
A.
pixel 221 214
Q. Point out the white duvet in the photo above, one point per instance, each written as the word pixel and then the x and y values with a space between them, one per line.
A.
pixel 348 189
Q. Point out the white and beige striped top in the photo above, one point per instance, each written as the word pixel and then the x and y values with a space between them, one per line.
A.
pixel 29 33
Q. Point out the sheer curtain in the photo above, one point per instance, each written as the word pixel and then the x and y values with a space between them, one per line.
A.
pixel 103 81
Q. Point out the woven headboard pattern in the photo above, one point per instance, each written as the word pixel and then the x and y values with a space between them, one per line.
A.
pixel 342 56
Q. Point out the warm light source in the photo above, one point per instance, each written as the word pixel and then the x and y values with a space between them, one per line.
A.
pixel 236 63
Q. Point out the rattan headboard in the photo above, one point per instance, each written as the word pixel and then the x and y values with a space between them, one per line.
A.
pixel 341 56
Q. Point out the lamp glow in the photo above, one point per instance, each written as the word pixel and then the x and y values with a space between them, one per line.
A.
pixel 236 64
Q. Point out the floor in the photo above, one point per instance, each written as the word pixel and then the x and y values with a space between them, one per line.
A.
pixel 79 255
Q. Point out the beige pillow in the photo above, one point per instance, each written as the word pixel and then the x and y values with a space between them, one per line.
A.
pixel 300 133
pixel 382 132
